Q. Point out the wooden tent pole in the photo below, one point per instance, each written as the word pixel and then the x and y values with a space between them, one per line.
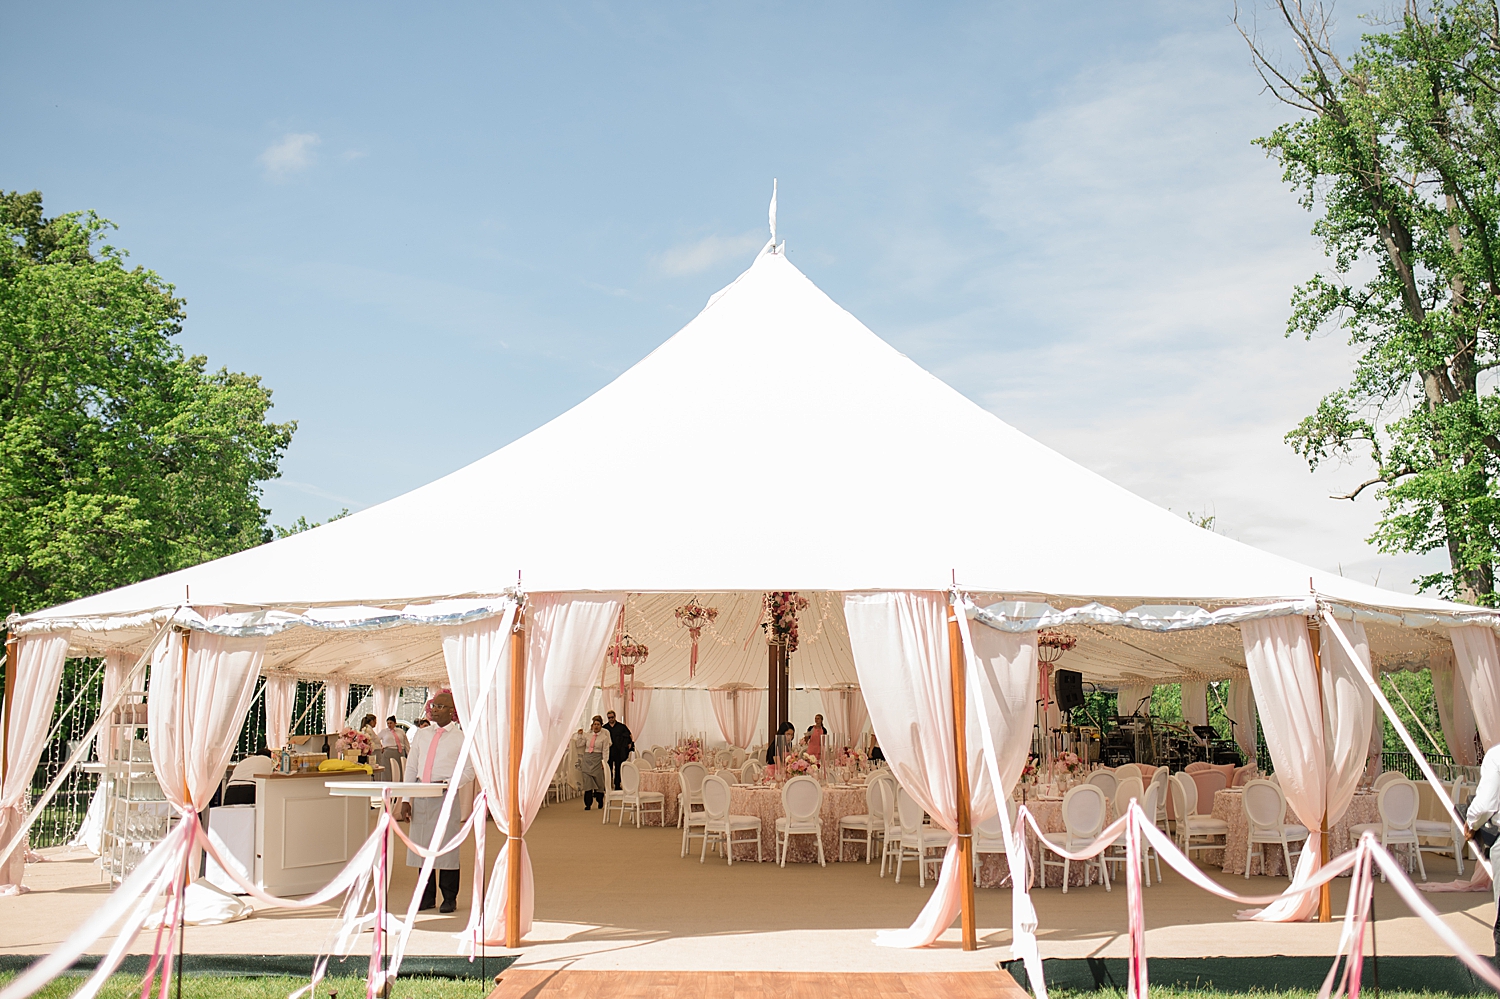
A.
pixel 514 840
pixel 961 751
pixel 1325 900
pixel 12 646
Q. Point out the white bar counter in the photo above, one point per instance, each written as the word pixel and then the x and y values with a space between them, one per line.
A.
pixel 304 835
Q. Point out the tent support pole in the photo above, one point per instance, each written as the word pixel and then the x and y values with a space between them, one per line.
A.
pixel 12 646
pixel 773 696
pixel 517 738
pixel 961 751
pixel 1325 900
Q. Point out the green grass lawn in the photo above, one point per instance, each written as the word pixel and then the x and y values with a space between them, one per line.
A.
pixel 246 987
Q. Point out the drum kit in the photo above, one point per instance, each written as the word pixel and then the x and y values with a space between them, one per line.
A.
pixel 1140 738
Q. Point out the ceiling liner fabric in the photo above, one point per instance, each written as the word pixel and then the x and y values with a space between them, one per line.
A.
pixel 771 360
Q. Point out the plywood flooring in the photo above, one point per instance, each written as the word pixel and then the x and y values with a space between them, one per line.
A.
pixel 523 984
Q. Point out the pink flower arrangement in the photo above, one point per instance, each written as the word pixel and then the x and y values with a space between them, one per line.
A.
pixel 1028 772
pixel 802 763
pixel 1068 763
pixel 1059 640
pixel 355 741
pixel 850 757
pixel 781 613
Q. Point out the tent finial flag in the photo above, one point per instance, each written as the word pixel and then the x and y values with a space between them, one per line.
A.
pixel 773 214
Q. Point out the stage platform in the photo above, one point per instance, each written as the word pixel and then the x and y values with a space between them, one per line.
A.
pixel 617 900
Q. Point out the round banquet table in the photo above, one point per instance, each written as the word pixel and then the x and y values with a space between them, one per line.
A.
pixel 994 868
pixel 1228 805
pixel 665 782
pixel 764 802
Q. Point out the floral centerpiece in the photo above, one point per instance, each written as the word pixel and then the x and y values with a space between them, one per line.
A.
pixel 688 751
pixel 801 763
pixel 1028 772
pixel 849 758
pixel 355 741
pixel 1070 764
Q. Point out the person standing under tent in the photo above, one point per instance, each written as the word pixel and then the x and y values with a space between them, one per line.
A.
pixel 816 736
pixel 593 750
pixel 1484 807
pixel 621 745
pixel 391 747
pixel 434 754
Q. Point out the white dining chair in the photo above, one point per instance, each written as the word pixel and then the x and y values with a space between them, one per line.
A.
pixel 802 801
pixel 613 797
pixel 751 772
pixel 737 758
pixel 633 798
pixel 720 826
pixel 1397 803
pixel 690 780
pixel 866 828
pixel 1190 825
pixel 891 839
pixel 1444 829
pixel 1386 778
pixel 1159 781
pixel 649 758
pixel 1084 811
pixel 917 840
pixel 1265 814
pixel 1118 852
pixel 691 815
pixel 1106 782
pixel 1127 788
pixel 989 836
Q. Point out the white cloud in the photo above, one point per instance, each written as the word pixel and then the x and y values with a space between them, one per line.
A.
pixel 694 258
pixel 289 154
pixel 1133 315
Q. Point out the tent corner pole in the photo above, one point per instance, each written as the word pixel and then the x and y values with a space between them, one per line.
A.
pixel 514 840
pixel 961 753
pixel 12 646
pixel 1325 899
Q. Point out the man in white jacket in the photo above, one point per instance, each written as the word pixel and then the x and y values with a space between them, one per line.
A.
pixel 1485 805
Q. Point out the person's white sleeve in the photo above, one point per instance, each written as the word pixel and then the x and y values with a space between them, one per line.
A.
pixel 1487 796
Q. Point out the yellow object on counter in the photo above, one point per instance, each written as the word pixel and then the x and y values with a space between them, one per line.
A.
pixel 336 766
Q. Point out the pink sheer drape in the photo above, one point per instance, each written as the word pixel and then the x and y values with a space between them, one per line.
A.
pixel 1242 713
pixel 845 713
pixel 386 699
pixel 1479 671
pixel 565 641
pixel 193 728
pixel 1195 702
pixel 35 675
pixel 737 711
pixel 1455 714
pixel 900 645
pixel 335 705
pixel 1318 741
pixel 632 709
pixel 281 699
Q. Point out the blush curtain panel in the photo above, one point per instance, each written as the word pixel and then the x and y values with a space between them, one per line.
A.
pixel 1195 702
pixel 36 675
pixel 737 710
pixel 335 705
pixel 1479 671
pixel 1242 713
pixel 565 641
pixel 386 699
pixel 845 714
pixel 1455 714
pixel 281 699
pixel 900 645
pixel 1318 739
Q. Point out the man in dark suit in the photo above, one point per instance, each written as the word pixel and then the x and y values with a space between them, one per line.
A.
pixel 620 746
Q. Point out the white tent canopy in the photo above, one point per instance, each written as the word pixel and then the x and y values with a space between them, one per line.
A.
pixel 774 443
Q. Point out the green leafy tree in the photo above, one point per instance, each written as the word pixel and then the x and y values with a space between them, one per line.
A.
pixel 1396 149
pixel 303 524
pixel 120 458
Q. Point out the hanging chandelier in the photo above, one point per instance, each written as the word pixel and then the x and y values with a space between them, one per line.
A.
pixel 626 654
pixel 695 617
pixel 1050 645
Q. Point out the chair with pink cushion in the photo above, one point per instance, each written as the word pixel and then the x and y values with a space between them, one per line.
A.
pixel 1210 782
pixel 1196 766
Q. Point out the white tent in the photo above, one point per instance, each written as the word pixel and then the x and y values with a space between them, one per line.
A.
pixel 773 443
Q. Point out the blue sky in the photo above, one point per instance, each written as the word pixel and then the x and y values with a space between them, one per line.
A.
pixel 431 229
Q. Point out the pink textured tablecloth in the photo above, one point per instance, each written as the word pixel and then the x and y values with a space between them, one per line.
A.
pixel 994 868
pixel 664 781
pixel 1229 806
pixel 765 804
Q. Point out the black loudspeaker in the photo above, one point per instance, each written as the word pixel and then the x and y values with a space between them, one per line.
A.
pixel 1069 690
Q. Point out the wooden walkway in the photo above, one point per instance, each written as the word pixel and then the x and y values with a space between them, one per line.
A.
pixel 518 984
